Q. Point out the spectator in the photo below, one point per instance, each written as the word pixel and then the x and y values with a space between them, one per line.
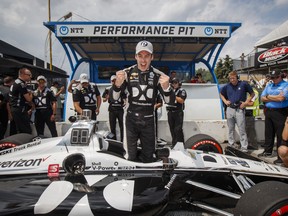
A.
pixel 173 75
pixel 275 97
pixel 199 78
pixel 175 112
pixel 115 108
pixel 5 109
pixel 86 96
pixel 194 79
pixel 45 105
pixel 19 100
pixel 57 92
pixel 263 82
pixel 142 83
pixel 234 95
pixel 283 148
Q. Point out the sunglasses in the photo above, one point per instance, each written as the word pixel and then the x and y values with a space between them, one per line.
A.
pixel 275 77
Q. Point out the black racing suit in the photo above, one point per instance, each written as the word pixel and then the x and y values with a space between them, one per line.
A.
pixel 87 97
pixel 115 110
pixel 176 116
pixel 142 89
pixel 43 104
pixel 19 106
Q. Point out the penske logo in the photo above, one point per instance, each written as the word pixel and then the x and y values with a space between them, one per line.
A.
pixel 23 162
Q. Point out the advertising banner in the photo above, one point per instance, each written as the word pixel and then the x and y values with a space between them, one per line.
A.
pixel 123 30
pixel 274 56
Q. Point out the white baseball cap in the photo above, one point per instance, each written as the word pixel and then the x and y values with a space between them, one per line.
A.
pixel 41 78
pixel 84 78
pixel 112 77
pixel 144 45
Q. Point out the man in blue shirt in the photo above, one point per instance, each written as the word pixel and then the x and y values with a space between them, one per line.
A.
pixel 275 97
pixel 234 96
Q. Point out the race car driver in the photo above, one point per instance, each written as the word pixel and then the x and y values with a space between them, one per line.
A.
pixel 142 82
pixel 86 96
pixel 45 105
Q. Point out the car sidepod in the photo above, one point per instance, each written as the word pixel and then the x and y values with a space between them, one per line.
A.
pixel 109 194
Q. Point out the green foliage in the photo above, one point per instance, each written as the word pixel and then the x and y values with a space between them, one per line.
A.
pixel 223 67
pixel 206 75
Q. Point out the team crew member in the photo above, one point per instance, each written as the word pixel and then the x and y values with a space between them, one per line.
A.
pixel 115 108
pixel 142 82
pixel 86 96
pixel 283 149
pixel 275 97
pixel 234 95
pixel 45 105
pixel 175 113
pixel 158 104
pixel 19 97
pixel 5 109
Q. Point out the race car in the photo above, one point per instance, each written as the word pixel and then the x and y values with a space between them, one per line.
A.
pixel 85 173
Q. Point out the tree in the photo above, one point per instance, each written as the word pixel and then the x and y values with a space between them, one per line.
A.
pixel 206 75
pixel 223 67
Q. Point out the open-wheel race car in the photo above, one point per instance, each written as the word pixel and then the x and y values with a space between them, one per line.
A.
pixel 85 173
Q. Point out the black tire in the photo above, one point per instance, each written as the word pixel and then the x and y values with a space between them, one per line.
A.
pixel 203 142
pixel 263 199
pixel 74 164
pixel 15 140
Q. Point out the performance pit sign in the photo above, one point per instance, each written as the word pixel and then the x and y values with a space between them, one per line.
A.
pixel 274 56
pixel 103 30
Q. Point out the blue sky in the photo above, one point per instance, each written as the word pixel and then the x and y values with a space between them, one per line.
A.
pixel 22 21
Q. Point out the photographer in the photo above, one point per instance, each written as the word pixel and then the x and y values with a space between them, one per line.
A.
pixel 234 95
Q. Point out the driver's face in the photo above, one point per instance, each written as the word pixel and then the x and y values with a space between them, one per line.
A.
pixel 144 59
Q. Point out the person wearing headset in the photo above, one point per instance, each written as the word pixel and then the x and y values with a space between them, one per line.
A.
pixel 234 96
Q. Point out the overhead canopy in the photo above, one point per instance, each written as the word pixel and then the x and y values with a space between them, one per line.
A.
pixel 277 35
pixel 115 41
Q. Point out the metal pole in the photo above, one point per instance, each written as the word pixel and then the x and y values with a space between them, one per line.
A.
pixel 50 35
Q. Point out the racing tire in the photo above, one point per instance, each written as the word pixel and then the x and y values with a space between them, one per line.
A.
pixel 15 140
pixel 74 164
pixel 263 199
pixel 204 143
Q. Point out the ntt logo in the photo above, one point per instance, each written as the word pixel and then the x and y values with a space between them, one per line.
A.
pixel 208 31
pixel 63 30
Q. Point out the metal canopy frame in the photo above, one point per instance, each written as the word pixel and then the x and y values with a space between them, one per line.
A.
pixel 167 49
